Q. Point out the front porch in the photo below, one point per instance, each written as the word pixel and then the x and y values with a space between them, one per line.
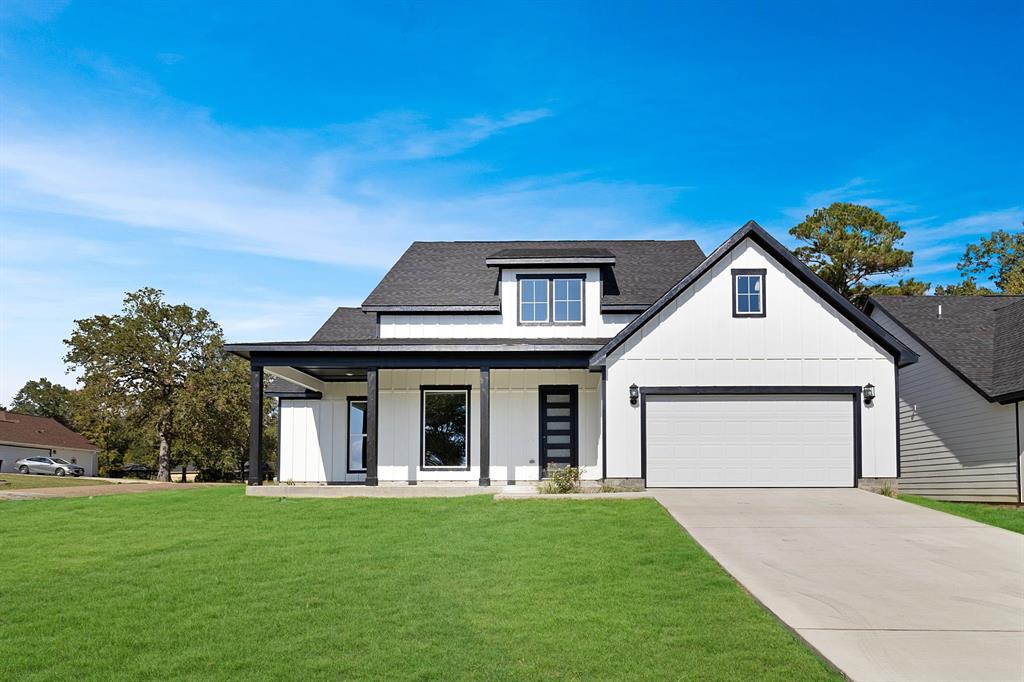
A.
pixel 369 418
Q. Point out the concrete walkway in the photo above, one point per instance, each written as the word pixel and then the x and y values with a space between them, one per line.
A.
pixel 884 589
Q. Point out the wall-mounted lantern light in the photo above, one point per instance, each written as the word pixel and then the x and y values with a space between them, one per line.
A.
pixel 869 394
pixel 634 395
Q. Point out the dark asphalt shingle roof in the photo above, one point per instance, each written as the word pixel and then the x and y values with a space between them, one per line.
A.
pixel 454 274
pixel 981 337
pixel 346 324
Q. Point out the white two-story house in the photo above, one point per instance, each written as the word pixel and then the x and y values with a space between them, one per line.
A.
pixel 643 363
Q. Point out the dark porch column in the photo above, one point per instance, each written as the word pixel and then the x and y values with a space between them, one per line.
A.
pixel 371 426
pixel 485 426
pixel 255 425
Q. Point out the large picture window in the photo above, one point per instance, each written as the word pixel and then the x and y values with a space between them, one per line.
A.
pixel 356 435
pixel 551 299
pixel 445 421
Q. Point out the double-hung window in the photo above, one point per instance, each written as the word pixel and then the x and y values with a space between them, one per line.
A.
pixel 748 296
pixel 445 422
pixel 551 299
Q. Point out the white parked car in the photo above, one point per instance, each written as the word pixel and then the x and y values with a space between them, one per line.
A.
pixel 48 465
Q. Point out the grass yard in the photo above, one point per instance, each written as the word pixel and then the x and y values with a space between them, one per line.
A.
pixel 27 481
pixel 210 584
pixel 1005 516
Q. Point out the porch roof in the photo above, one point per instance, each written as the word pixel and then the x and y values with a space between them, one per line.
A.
pixel 348 360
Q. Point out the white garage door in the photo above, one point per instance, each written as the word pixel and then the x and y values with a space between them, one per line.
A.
pixel 749 440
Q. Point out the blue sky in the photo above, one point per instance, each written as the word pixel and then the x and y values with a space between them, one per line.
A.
pixel 269 162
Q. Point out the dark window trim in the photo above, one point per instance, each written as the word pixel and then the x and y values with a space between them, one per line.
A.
pixel 853 391
pixel 348 433
pixel 763 274
pixel 551 277
pixel 468 390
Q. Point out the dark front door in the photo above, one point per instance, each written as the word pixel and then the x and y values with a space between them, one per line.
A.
pixel 558 427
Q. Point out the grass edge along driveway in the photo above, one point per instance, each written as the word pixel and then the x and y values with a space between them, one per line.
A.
pixel 213 584
pixel 1007 516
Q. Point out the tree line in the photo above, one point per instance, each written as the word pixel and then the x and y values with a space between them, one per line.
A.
pixel 156 387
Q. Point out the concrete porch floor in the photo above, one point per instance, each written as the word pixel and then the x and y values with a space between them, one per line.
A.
pixel 331 491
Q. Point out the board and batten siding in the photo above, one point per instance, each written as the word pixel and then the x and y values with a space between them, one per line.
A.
pixel 802 341
pixel 313 437
pixel 954 443
pixel 506 324
pixel 314 432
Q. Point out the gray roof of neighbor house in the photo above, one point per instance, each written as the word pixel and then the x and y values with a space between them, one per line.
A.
pixel 980 338
pixel 28 429
pixel 456 276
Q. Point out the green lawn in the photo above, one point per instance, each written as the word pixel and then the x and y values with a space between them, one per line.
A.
pixel 1005 516
pixel 20 482
pixel 207 583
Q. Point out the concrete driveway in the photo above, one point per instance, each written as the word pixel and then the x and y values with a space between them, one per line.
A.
pixel 884 589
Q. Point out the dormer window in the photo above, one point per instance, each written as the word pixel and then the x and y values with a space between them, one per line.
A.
pixel 551 299
pixel 748 298
pixel 533 300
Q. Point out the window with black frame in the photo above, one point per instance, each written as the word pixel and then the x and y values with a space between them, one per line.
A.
pixel 446 428
pixel 356 435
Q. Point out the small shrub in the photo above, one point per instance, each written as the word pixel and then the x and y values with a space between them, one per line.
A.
pixel 887 489
pixel 561 482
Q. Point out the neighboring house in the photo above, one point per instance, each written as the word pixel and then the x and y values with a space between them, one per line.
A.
pixel 960 406
pixel 641 362
pixel 24 435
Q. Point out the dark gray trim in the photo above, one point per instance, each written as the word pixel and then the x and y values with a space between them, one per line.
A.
pixel 604 423
pixel 469 425
pixel 372 404
pixel 755 232
pixel 280 421
pixel 535 360
pixel 763 274
pixel 573 391
pixel 430 309
pixel 348 433
pixel 398 346
pixel 255 425
pixel 549 261
pixel 485 426
pixel 296 395
pixel 551 299
pixel 853 391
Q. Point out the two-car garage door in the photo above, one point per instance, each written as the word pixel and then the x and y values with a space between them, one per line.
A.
pixel 749 440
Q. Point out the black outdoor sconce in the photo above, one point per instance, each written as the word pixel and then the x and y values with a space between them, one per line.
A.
pixel 634 395
pixel 869 394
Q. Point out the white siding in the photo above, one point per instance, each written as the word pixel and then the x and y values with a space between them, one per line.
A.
pixel 505 325
pixel 313 432
pixel 954 443
pixel 802 341
pixel 515 420
pixel 313 437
